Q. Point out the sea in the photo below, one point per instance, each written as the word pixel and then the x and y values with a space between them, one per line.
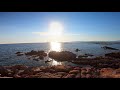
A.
pixel 8 56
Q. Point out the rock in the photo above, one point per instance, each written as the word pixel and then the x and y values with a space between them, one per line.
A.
pixel 47 61
pixel 77 50
pixel 18 52
pixel 16 76
pixel 89 55
pixel 117 71
pixel 61 73
pixel 106 47
pixel 83 76
pixel 27 71
pixel 6 77
pixel 3 71
pixel 106 72
pixel 41 57
pixel 77 68
pixel 38 53
pixel 70 76
pixel 19 67
pixel 61 68
pixel 81 56
pixel 78 75
pixel 36 59
pixel 88 76
pixel 74 71
pixel 62 56
pixel 114 55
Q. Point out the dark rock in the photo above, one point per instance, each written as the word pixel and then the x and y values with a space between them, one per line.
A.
pixel 18 52
pixel 38 53
pixel 62 56
pixel 89 55
pixel 106 47
pixel 77 50
pixel 3 71
pixel 114 55
pixel 47 61
pixel 41 57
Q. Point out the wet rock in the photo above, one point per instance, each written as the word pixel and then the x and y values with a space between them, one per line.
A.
pixel 106 47
pixel 38 53
pixel 89 55
pixel 82 56
pixel 18 52
pixel 77 50
pixel 62 56
pixel 47 61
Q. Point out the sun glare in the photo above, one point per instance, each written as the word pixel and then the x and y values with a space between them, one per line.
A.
pixel 55 29
pixel 55 46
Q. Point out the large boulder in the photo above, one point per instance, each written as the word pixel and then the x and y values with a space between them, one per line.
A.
pixel 62 56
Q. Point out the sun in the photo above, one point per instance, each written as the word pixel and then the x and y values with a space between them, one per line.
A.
pixel 55 29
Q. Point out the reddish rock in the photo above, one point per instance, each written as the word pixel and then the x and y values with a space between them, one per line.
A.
pixel 19 67
pixel 16 76
pixel 88 76
pixel 74 71
pixel 61 68
pixel 77 68
pixel 78 75
pixel 70 76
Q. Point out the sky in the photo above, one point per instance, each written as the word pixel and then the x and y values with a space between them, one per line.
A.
pixel 30 27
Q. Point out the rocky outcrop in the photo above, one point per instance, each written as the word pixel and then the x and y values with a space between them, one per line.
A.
pixel 110 48
pixel 62 56
pixel 60 71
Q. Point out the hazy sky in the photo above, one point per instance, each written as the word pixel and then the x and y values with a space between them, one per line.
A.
pixel 26 27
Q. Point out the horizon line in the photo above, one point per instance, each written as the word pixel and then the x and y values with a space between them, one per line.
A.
pixel 64 41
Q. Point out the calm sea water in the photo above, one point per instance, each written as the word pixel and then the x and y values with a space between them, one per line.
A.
pixel 8 56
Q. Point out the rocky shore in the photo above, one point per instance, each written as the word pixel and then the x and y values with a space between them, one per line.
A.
pixel 60 71
pixel 107 66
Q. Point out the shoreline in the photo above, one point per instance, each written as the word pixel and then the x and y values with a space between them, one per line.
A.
pixel 60 71
pixel 102 67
